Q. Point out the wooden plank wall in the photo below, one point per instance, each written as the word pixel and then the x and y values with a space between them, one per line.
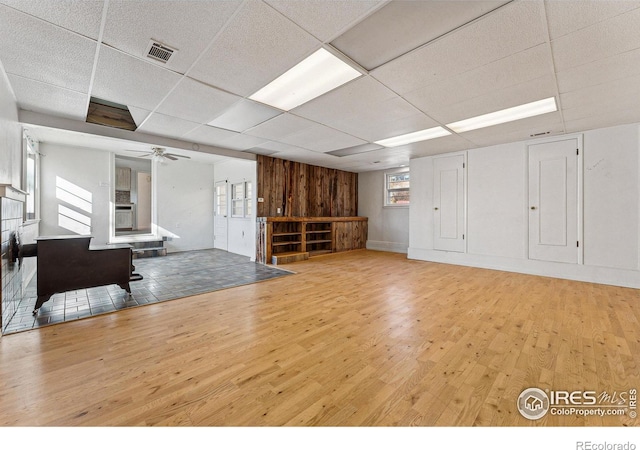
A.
pixel 303 190
pixel 349 236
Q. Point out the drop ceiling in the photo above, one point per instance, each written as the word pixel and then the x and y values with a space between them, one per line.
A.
pixel 424 64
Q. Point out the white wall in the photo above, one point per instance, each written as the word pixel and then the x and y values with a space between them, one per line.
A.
pixel 10 136
pixel 184 196
pixel 85 168
pixel 497 216
pixel 242 231
pixel 185 204
pixel 388 226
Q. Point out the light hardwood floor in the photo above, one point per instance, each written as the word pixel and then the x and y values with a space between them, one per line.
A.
pixel 361 339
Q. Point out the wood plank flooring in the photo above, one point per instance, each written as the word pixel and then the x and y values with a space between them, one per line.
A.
pixel 355 339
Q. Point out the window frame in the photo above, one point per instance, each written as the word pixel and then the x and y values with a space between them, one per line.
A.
pixel 387 190
pixel 31 153
pixel 244 202
pixel 237 200
pixel 248 194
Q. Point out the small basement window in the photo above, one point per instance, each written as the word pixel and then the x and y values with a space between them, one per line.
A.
pixel 396 189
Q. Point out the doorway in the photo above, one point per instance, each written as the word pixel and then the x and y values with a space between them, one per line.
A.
pixel 133 199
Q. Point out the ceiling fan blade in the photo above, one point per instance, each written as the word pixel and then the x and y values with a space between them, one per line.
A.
pixel 137 151
pixel 170 157
pixel 179 156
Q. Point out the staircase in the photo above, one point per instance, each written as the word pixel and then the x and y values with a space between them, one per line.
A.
pixel 148 249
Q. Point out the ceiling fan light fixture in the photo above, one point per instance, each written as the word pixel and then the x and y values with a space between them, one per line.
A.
pixel 317 74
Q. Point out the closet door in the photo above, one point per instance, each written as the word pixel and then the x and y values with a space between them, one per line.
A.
pixel 553 201
pixel 448 202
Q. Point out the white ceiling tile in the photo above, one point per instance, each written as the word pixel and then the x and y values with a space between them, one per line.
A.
pixel 568 16
pixel 308 157
pixel 320 138
pixel 605 70
pixel 515 69
pixel 385 156
pixel 600 100
pixel 602 40
pixel 260 151
pixel 41 51
pixel 526 92
pixel 367 109
pixel 187 26
pixel 402 26
pixel 257 46
pixel 510 29
pixel 273 146
pixel 242 142
pixel 138 114
pixel 618 92
pixel 48 99
pixel 129 81
pixel 197 102
pixel 347 100
pixel 244 115
pixel 79 16
pixel 387 119
pixel 279 127
pixel 324 19
pixel 604 118
pixel 163 125
pixel 208 135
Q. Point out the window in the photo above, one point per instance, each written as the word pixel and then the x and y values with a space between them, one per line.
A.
pixel 396 189
pixel 31 180
pixel 237 200
pixel 221 199
pixel 241 199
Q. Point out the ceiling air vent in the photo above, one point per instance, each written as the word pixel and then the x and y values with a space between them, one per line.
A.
pixel 159 52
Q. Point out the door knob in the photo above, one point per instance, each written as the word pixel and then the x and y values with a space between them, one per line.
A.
pixel 436 208
pixel 533 207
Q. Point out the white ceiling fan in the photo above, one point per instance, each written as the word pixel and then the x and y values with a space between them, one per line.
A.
pixel 158 154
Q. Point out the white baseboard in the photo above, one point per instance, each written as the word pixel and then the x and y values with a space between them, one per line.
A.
pixel 577 272
pixel 386 246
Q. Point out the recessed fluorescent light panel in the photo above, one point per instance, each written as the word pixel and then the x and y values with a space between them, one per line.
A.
pixel 312 77
pixel 416 136
pixel 506 115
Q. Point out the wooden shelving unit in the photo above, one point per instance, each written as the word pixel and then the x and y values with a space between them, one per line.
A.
pixel 288 239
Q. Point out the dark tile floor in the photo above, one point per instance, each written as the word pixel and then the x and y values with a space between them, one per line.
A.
pixel 165 278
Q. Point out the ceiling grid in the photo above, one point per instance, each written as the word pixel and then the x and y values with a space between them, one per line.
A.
pixel 425 64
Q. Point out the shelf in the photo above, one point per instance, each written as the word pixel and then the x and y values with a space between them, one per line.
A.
pixel 289 238
pixel 279 244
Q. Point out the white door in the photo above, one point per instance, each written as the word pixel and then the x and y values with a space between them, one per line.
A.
pixel 448 203
pixel 553 201
pixel 220 219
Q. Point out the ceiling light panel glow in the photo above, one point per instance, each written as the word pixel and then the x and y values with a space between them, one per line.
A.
pixel 317 74
pixel 416 136
pixel 506 115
